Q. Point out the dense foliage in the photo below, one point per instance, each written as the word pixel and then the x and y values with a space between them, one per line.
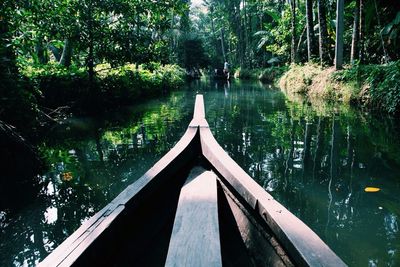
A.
pixel 50 53
pixel 250 33
pixel 380 87
pixel 114 86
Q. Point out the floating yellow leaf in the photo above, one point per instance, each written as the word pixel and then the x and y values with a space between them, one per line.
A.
pixel 67 176
pixel 372 189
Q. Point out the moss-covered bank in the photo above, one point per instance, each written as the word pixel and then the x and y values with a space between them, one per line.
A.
pixel 371 86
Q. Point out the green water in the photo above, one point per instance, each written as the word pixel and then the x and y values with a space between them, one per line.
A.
pixel 315 161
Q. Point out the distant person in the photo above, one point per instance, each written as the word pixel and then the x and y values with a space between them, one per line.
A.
pixel 226 68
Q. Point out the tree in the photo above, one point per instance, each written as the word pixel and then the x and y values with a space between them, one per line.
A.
pixel 310 30
pixel 339 34
pixel 293 31
pixel 192 47
pixel 323 33
pixel 354 55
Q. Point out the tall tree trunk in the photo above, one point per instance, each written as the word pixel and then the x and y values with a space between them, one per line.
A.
pixel 41 51
pixel 56 52
pixel 241 36
pixel 354 55
pixel 246 30
pixel 67 53
pixel 385 54
pixel 323 33
pixel 300 41
pixel 293 30
pixel 362 31
pixel 171 53
pixel 214 33
pixel 90 60
pixel 223 44
pixel 310 30
pixel 339 34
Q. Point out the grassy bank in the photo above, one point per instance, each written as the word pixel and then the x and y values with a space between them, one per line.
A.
pixel 372 86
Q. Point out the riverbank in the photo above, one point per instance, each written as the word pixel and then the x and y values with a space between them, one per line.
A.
pixel 41 97
pixel 45 94
pixel 376 87
pixel 110 88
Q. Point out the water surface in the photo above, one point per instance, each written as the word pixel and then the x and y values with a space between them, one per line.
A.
pixel 315 161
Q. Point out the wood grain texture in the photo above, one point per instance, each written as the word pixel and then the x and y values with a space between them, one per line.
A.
pixel 195 236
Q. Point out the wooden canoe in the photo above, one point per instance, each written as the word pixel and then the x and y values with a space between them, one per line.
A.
pixel 194 207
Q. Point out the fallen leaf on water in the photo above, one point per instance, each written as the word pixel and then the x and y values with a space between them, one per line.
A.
pixel 372 189
pixel 67 176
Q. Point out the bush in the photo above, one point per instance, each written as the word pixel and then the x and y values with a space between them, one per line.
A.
pixel 246 74
pixel 271 74
pixel 384 82
pixel 126 84
pixel 113 86
pixel 57 85
pixel 380 83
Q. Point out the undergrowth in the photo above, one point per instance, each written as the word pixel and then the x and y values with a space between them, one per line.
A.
pixel 58 85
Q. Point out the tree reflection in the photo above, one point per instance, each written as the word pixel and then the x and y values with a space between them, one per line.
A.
pixel 87 168
pixel 317 163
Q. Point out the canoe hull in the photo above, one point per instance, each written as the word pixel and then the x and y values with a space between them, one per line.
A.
pixel 136 227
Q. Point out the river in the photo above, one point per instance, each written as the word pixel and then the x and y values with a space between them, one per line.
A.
pixel 317 160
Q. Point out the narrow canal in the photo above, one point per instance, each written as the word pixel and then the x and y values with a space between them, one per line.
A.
pixel 317 161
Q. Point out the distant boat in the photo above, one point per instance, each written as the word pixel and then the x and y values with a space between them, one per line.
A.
pixel 194 207
pixel 193 74
pixel 219 74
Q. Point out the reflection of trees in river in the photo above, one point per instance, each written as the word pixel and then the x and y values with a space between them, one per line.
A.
pixel 87 169
pixel 291 150
pixel 318 166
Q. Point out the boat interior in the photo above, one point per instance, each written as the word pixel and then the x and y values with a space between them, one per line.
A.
pixel 140 235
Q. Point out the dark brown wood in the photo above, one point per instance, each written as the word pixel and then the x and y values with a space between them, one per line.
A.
pixel 262 247
pixel 195 236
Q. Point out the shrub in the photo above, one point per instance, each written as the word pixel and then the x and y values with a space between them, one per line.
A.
pixel 381 85
pixel 384 82
pixel 271 74
pixel 122 85
pixel 58 85
pixel 246 74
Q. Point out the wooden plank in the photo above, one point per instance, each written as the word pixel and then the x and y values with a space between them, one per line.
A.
pixel 199 111
pixel 199 114
pixel 195 236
